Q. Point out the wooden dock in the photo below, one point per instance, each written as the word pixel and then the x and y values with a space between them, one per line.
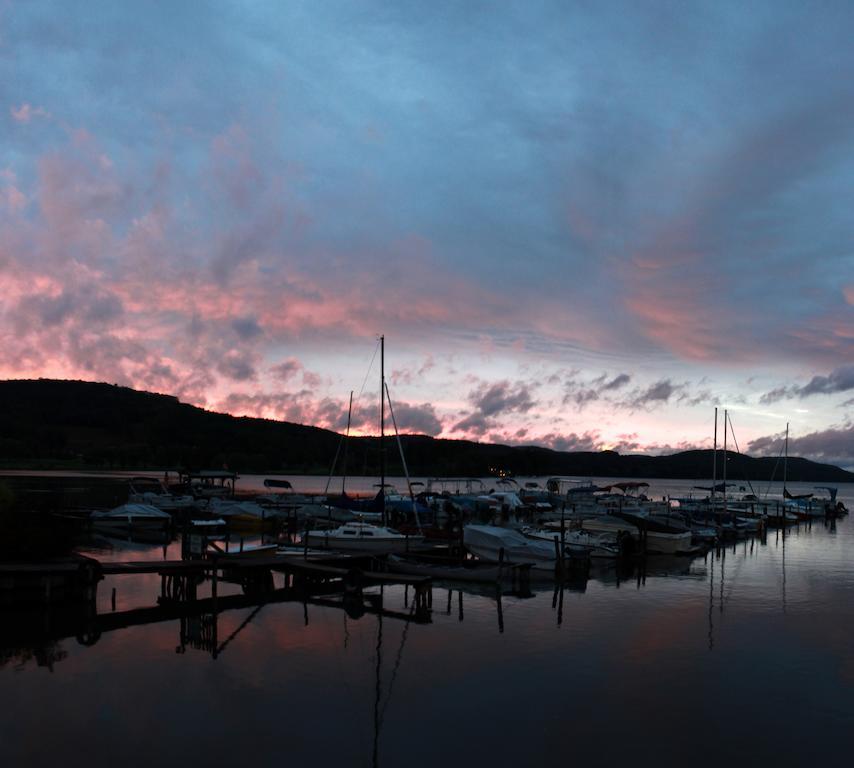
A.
pixel 77 578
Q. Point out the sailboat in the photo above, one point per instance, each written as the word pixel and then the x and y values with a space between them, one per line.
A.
pixel 359 536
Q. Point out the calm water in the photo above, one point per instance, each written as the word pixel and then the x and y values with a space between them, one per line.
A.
pixel 745 655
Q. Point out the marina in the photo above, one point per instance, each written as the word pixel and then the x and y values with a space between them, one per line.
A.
pixel 364 643
pixel 425 385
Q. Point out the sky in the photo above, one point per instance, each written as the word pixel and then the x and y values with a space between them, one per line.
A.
pixel 583 225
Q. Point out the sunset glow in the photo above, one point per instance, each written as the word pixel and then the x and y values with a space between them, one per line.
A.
pixel 585 238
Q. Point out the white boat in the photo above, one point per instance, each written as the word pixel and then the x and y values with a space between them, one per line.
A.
pixel 609 524
pixel 149 490
pixel 131 516
pixel 363 537
pixel 236 511
pixel 492 543
pixel 657 542
pixel 584 543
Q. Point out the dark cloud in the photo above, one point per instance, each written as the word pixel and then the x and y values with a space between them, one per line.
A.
pixel 831 446
pixel 331 413
pixel 617 382
pixel 582 393
pixel 236 365
pixel 83 307
pixel 475 424
pixel 420 419
pixel 502 397
pixel 286 370
pixel 588 441
pixel 656 394
pixel 839 380
pixel 697 398
pixel 491 401
pixel 246 327
pixel 775 395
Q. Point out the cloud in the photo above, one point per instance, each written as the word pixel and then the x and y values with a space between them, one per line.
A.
pixel 839 380
pixel 588 441
pixel 617 382
pixel 246 327
pixel 421 419
pixel 775 395
pixel 834 445
pixel 303 407
pixel 491 400
pixel 583 393
pixel 656 394
pixel 26 112
pixel 287 369
pixel 502 397
pixel 237 365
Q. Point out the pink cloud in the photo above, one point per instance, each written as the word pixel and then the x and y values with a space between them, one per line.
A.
pixel 25 113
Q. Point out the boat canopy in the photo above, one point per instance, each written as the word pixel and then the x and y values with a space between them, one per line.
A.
pixel 269 483
pixel 796 497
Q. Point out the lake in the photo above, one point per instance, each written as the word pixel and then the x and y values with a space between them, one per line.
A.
pixel 743 655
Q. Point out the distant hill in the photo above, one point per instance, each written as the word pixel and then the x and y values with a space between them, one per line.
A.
pixel 51 424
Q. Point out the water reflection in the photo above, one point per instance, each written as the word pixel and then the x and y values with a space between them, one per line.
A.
pixel 516 675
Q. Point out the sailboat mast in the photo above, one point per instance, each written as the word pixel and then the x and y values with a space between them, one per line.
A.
pixel 786 459
pixel 715 461
pixel 725 457
pixel 382 428
pixel 346 438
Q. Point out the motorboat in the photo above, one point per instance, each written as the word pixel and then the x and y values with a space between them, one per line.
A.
pixel 663 535
pixel 496 544
pixel 363 537
pixel 582 543
pixel 239 512
pixel 149 490
pixel 131 516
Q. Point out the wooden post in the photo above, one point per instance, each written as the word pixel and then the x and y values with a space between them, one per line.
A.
pixel 113 600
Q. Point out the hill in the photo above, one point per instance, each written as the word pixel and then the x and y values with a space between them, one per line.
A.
pixel 50 424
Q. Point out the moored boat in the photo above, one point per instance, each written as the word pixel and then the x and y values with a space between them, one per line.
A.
pixel 495 544
pixel 363 537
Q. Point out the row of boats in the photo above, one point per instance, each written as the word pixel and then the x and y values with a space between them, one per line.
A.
pixel 513 525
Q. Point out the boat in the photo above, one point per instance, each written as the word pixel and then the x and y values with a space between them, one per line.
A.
pixel 585 543
pixel 280 495
pixel 150 490
pixel 362 537
pixel 250 550
pixel 131 516
pixel 207 484
pixel 495 544
pixel 387 505
pixel 663 535
pixel 239 512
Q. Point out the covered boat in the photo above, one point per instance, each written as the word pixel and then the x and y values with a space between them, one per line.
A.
pixel 128 516
pixel 492 543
